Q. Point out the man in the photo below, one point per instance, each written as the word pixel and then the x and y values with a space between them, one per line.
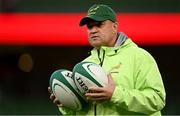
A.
pixel 135 85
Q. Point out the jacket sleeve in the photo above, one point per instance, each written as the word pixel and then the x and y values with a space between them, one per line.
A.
pixel 148 94
pixel 65 111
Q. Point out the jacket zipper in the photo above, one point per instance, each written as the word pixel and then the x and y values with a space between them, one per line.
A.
pixel 101 64
pixel 101 60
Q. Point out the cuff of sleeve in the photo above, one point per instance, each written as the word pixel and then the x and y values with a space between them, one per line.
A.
pixel 117 96
pixel 65 111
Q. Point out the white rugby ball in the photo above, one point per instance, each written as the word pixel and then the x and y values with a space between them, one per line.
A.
pixel 87 74
pixel 64 88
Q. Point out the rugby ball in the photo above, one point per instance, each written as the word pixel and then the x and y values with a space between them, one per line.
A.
pixel 87 74
pixel 64 89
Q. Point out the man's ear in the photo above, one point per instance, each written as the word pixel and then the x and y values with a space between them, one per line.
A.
pixel 115 25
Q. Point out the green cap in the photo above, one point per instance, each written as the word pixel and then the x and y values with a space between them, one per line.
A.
pixel 99 13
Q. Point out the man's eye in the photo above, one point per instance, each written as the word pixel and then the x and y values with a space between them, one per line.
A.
pixel 89 26
pixel 99 24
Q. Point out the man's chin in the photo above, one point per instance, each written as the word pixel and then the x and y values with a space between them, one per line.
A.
pixel 96 45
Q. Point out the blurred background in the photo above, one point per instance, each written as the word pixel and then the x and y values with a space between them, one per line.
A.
pixel 38 37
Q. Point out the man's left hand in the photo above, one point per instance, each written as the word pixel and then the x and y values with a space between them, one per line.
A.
pixel 100 94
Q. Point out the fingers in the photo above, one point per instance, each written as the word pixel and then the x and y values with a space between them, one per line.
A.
pixel 101 93
pixel 100 99
pixel 95 89
pixel 110 80
pixel 49 90
pixel 95 95
pixel 54 99
pixel 57 102
pixel 52 96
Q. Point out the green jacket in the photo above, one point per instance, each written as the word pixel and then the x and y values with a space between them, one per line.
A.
pixel 139 89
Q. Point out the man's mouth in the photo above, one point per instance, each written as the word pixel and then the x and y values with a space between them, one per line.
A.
pixel 94 37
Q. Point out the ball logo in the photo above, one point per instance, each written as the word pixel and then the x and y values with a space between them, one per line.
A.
pixel 68 74
pixel 80 82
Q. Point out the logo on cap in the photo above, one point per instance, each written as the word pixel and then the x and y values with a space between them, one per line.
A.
pixel 93 10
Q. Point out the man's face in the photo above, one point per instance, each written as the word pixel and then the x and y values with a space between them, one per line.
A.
pixel 101 33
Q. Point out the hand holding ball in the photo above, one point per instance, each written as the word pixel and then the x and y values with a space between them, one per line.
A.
pixel 63 87
pixel 70 87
